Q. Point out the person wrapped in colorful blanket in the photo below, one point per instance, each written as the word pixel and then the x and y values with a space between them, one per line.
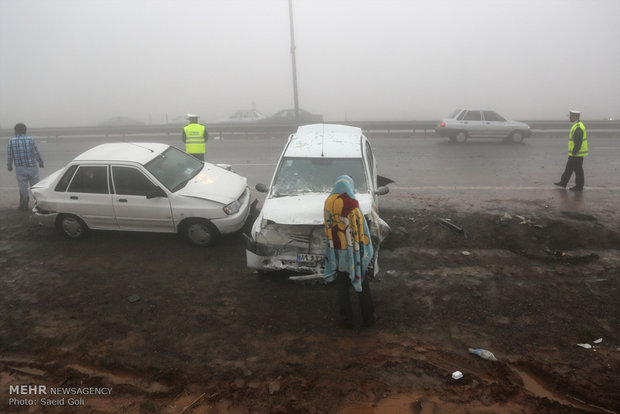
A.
pixel 348 251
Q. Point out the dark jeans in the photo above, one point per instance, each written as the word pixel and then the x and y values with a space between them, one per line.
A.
pixel 201 157
pixel 574 164
pixel 344 300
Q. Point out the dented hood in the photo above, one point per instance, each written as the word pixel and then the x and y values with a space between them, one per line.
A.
pixel 215 183
pixel 305 208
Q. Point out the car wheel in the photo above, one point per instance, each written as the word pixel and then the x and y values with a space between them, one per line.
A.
pixel 72 226
pixel 460 137
pixel 517 137
pixel 199 232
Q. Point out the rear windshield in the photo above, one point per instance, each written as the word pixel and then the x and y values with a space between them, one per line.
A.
pixel 316 175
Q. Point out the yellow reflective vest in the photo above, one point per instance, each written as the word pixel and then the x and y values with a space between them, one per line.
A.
pixel 583 151
pixel 194 138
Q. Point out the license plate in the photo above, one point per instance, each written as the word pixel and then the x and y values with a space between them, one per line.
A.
pixel 309 258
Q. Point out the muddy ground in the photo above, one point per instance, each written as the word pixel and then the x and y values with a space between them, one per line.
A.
pixel 172 328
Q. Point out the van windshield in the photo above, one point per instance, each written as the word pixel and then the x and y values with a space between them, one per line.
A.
pixel 316 175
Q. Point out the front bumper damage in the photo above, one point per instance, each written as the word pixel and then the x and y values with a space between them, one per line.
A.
pixel 299 248
pixel 284 247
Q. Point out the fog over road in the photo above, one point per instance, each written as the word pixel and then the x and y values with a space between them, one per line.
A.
pixel 471 174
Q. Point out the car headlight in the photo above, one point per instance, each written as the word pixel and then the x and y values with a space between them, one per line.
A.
pixel 232 208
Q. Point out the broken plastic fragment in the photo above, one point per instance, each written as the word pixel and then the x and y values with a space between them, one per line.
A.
pixel 598 341
pixel 457 375
pixel 586 346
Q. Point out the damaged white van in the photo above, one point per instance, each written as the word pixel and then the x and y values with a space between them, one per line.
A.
pixel 288 233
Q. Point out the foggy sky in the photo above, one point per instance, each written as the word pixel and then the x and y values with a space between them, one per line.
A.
pixel 81 62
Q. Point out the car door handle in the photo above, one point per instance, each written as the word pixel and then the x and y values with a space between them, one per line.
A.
pixel 122 200
pixel 73 197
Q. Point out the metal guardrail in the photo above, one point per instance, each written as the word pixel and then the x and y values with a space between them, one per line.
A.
pixel 279 129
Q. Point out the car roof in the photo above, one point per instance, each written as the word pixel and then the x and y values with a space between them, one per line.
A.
pixel 325 140
pixel 139 152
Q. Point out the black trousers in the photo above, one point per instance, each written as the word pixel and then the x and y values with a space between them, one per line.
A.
pixel 344 300
pixel 201 157
pixel 574 164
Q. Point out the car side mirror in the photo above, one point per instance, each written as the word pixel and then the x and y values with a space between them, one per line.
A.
pixel 382 190
pixel 261 188
pixel 157 192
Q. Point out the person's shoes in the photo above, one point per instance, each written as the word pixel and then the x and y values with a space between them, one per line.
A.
pixel 560 184
pixel 575 188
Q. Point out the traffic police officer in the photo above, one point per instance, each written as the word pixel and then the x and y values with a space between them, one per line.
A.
pixel 195 136
pixel 577 150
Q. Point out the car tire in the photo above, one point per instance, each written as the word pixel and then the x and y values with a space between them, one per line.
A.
pixel 517 137
pixel 72 227
pixel 460 137
pixel 199 232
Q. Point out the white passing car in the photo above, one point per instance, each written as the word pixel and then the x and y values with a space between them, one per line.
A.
pixel 289 232
pixel 142 187
pixel 463 124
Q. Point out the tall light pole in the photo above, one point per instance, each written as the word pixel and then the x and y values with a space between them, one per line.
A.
pixel 290 10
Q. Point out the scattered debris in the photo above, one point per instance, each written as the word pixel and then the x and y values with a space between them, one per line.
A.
pixel 449 225
pixel 585 346
pixel 274 386
pixel 466 253
pixel 505 218
pixel 483 353
pixel 133 298
pixel 557 253
pixel 301 278
pixel 457 375
pixel 598 341
pixel 401 230
pixel 391 272
pixel 185 409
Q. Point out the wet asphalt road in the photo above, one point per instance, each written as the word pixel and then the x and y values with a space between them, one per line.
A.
pixel 470 174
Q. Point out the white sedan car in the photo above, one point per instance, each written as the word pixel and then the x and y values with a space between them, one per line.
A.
pixel 143 187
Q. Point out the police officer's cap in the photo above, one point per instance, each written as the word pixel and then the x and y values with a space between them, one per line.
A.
pixel 574 112
pixel 189 116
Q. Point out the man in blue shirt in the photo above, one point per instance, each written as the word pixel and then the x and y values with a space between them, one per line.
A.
pixel 23 152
